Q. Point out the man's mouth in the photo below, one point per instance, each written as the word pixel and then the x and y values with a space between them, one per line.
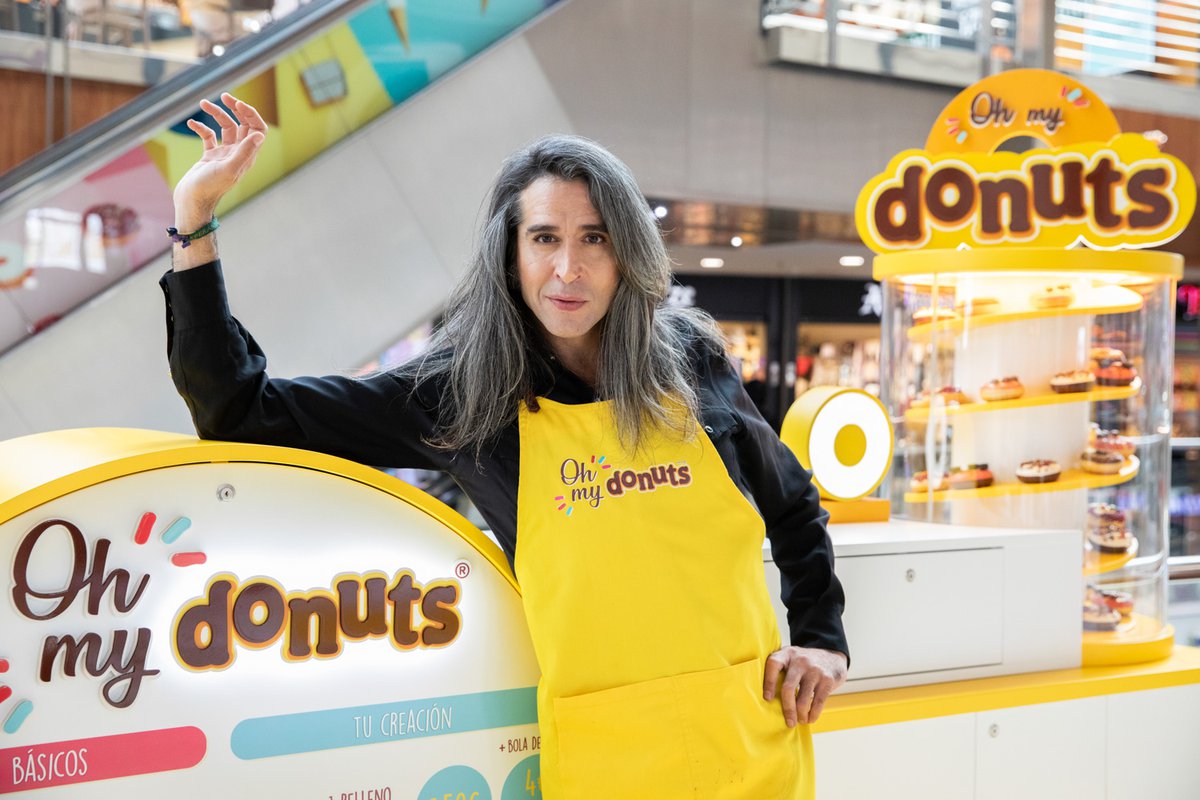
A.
pixel 566 303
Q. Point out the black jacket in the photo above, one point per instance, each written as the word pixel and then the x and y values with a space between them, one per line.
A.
pixel 221 374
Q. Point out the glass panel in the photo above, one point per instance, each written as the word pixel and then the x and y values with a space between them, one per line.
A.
pixel 69 244
pixel 1040 399
pixel 1184 611
pixel 837 355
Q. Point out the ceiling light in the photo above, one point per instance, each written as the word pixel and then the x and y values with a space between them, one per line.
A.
pixel 852 261
pixel 736 241
pixel 712 263
pixel 660 211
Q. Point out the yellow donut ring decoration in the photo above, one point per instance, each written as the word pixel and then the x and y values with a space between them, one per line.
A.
pixel 844 436
pixel 1053 108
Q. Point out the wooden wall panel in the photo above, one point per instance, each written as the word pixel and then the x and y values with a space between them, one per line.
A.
pixel 24 107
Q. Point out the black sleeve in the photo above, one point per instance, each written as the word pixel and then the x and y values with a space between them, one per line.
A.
pixel 790 506
pixel 220 371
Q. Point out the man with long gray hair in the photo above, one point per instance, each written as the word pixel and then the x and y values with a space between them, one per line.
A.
pixel 557 343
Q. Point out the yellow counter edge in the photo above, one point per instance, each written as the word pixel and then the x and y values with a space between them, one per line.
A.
pixel 41 467
pixel 909 703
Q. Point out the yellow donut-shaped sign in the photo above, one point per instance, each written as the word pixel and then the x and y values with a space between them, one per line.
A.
pixel 844 436
pixel 1052 109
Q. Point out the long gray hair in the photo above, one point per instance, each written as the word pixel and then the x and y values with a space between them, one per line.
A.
pixel 489 352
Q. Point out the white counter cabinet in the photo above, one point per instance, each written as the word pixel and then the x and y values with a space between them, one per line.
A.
pixel 1132 745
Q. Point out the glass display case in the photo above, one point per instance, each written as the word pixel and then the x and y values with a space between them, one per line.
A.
pixel 1032 388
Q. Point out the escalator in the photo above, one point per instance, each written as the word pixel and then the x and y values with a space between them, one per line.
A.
pixel 388 119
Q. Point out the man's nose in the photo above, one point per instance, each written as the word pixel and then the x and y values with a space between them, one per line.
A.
pixel 567 265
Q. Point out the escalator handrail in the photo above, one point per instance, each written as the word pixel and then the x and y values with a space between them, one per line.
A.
pixel 164 104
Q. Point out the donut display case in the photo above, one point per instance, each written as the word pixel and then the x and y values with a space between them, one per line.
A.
pixel 1046 406
pixel 1028 336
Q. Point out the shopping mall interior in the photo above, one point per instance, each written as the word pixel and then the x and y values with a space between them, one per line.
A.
pixel 751 126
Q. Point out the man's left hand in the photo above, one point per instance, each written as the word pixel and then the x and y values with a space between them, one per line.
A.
pixel 809 675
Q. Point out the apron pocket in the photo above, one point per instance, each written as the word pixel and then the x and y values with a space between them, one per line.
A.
pixel 740 745
pixel 623 743
pixel 701 736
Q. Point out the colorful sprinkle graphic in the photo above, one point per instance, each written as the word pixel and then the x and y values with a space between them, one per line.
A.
pixel 176 529
pixel 142 534
pixel 569 510
pixel 962 137
pixel 188 559
pixel 1074 94
pixel 5 693
pixel 3 665
pixel 17 717
pixel 561 507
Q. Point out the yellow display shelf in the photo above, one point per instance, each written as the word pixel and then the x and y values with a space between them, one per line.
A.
pixel 1069 480
pixel 1097 563
pixel 1180 667
pixel 1097 395
pixel 1099 300
pixel 917 267
pixel 1141 639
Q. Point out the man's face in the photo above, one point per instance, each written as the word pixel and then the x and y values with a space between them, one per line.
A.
pixel 566 264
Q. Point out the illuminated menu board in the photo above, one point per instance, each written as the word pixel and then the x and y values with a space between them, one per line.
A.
pixel 192 619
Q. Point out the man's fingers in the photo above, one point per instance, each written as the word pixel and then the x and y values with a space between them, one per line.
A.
pixel 204 132
pixel 775 663
pixel 818 701
pixel 787 696
pixel 229 133
pixel 247 113
pixel 804 694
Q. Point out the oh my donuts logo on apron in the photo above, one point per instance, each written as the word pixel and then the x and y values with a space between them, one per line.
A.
pixel 588 482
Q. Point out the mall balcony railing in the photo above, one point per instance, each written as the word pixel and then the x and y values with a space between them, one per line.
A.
pixel 1137 54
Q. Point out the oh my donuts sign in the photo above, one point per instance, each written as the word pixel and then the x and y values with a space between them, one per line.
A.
pixel 188 619
pixel 1027 157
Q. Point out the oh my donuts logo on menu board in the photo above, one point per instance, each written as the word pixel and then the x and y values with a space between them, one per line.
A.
pixel 259 612
pixel 1027 157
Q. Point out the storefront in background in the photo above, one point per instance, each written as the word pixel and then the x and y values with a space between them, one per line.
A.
pixel 788 334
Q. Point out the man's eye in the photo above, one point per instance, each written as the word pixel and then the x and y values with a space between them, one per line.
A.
pixel 543 238
pixel 596 238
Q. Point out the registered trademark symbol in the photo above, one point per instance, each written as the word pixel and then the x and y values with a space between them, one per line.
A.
pixel 462 569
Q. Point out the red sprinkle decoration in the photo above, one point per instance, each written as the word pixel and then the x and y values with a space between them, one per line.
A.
pixel 142 534
pixel 188 559
pixel 3 665
pixel 5 693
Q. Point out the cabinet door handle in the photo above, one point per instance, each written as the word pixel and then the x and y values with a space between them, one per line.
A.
pixel 993 730
pixel 910 575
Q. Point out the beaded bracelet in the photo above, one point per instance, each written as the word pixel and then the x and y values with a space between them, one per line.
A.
pixel 185 239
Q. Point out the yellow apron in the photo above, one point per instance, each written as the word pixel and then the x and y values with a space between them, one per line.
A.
pixel 642 577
